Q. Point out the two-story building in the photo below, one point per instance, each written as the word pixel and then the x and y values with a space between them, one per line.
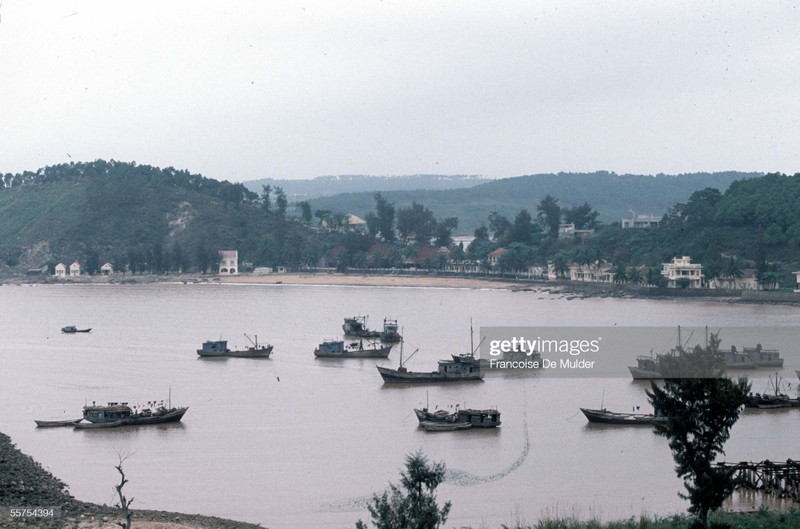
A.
pixel 641 221
pixel 681 270
pixel 229 262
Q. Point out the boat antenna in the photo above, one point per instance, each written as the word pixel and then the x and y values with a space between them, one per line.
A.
pixel 471 344
pixel 255 344
pixel 603 398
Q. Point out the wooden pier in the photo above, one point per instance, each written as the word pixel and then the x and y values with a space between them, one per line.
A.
pixel 782 479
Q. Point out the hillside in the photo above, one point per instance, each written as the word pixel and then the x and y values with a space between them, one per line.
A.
pixel 121 212
pixel 297 190
pixel 612 195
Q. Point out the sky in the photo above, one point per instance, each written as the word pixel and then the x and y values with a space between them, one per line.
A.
pixel 246 90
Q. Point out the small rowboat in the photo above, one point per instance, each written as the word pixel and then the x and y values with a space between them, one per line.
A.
pixel 55 424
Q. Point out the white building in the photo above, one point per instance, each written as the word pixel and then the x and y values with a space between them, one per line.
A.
pixel 229 262
pixel 797 281
pixel 641 221
pixel 107 269
pixel 75 269
pixel 682 268
pixel 61 270
pixel 593 273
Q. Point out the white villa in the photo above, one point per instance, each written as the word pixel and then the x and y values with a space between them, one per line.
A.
pixel 107 269
pixel 61 270
pixel 229 262
pixel 75 269
pixel 641 221
pixel 599 273
pixel 683 268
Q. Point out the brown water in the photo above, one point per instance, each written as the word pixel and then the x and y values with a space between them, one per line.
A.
pixel 294 442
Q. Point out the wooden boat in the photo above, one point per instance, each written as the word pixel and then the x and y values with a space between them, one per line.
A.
pixel 430 426
pixel 489 418
pixel 773 400
pixel 357 326
pixel 459 368
pixel 609 417
pixel 71 329
pixel 339 349
pixel 219 349
pixel 56 424
pixel 120 414
pixel 390 333
pixel 653 367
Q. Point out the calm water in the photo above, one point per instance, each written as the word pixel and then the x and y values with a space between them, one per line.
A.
pixel 294 442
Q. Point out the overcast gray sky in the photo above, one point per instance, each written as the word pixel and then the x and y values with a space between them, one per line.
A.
pixel 247 90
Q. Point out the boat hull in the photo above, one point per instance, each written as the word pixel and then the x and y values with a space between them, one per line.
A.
pixel 174 415
pixel 251 352
pixel 430 426
pixel 56 424
pixel 610 417
pixel 396 375
pixel 379 352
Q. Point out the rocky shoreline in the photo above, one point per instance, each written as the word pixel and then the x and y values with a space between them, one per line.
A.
pixel 24 483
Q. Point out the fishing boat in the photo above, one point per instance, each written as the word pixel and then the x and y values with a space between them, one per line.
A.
pixel 772 400
pixel 458 368
pixel 489 418
pixel 390 333
pixel 219 348
pixel 357 326
pixel 121 414
pixel 653 367
pixel 610 417
pixel 71 329
pixel 340 349
pixel 56 424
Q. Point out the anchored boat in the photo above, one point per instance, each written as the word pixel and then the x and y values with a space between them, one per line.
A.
pixel 459 368
pixel 121 414
pixel 219 348
pixel 339 349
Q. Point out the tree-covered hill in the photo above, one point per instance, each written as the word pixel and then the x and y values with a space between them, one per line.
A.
pixel 614 196
pixel 132 215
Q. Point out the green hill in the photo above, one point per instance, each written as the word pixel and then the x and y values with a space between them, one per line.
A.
pixel 612 195
pixel 123 213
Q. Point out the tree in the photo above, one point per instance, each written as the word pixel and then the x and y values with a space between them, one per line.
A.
pixel 700 413
pixel 280 202
pixel 549 215
pixel 620 272
pixel 305 209
pixel 124 503
pixel 265 200
pixel 499 225
pixel 385 212
pixel 583 217
pixel 444 231
pixel 417 220
pixel 516 258
pixel 523 228
pixel 414 505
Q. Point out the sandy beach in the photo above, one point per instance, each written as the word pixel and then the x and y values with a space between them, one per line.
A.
pixel 372 280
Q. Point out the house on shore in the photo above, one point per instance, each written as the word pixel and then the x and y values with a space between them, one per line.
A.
pixel 75 269
pixel 797 281
pixel 107 269
pixel 683 270
pixel 601 272
pixel 748 281
pixel 228 262
pixel 61 270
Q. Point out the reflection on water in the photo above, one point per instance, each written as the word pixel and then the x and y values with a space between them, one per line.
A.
pixel 293 441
